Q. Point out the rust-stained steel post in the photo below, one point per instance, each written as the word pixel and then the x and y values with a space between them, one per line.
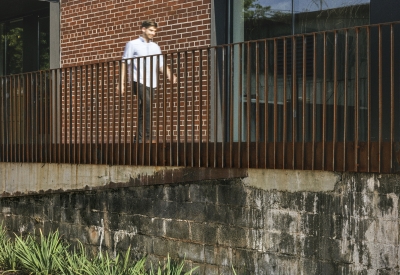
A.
pixel 248 102
pixel 369 98
pixel 314 107
pixel 294 100
pixel 392 100
pixel 240 100
pixel 275 100
pixel 335 95
pixel 380 100
pixel 356 104
pixel 258 124
pixel 304 101
pixel 266 101
pixel 231 102
pixel 223 103
pixel 192 110
pixel 215 101
pixel 324 120
pixel 284 130
pixel 346 72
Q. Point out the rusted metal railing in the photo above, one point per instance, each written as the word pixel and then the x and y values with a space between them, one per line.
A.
pixel 317 101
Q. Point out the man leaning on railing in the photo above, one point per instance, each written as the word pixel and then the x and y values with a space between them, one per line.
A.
pixel 145 76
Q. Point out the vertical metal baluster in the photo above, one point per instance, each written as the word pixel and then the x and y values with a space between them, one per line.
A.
pixel 74 106
pixel 304 101
pixel 37 119
pixel 275 99
pixel 92 92
pixel 125 107
pixel 284 134
pixel 200 104
pixel 164 140
pixel 184 108
pixel 87 91
pixel 120 132
pixel 266 101
pixel 193 115
pixel 171 116
pixel 215 122
pixel 20 115
pixel 240 114
pixel 380 97
pixel 392 100
pixel 157 137
pixel 107 107
pixel 314 108
pixel 3 90
pixel 12 118
pixel 294 100
pixel 100 136
pixel 80 114
pixel 25 117
pixel 223 103
pixel 335 103
pixel 51 115
pixel 258 125
pixel 95 99
pixel 208 120
pixel 231 102
pixel 113 138
pixel 248 103
pixel 346 72
pixel 131 116
pixel 369 98
pixel 356 104
pixel 324 105
pixel 64 115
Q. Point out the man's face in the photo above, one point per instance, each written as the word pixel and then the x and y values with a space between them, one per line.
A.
pixel 149 32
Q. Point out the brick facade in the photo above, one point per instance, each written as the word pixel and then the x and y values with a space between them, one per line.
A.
pixel 98 30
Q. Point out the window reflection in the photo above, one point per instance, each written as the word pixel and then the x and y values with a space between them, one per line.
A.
pixel 319 15
pixel 25 44
pixel 273 18
pixel 14 48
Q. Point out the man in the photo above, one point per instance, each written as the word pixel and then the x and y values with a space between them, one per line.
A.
pixel 145 75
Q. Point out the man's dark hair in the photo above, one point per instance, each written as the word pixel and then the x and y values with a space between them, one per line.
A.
pixel 149 23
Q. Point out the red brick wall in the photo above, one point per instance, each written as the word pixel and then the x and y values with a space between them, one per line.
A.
pixel 93 110
pixel 97 30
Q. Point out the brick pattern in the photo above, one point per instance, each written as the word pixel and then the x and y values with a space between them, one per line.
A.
pixel 94 31
pixel 94 111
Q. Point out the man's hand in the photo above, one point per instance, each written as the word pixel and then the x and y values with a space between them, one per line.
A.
pixel 121 88
pixel 174 79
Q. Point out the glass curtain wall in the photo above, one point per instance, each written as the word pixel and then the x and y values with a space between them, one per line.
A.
pixel 280 19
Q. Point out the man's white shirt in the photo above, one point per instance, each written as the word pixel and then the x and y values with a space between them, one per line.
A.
pixel 139 48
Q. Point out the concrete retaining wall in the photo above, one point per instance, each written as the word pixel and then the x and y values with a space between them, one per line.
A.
pixel 260 221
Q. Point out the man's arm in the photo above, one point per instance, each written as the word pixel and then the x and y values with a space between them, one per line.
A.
pixel 123 73
pixel 171 77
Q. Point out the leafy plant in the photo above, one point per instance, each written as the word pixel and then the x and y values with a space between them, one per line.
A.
pixel 43 257
pixel 103 264
pixel 8 258
pixel 172 268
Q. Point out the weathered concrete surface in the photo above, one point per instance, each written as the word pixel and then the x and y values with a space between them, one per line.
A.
pixel 292 180
pixel 18 179
pixel 267 222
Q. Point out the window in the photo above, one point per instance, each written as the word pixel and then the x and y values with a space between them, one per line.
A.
pixel 25 44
